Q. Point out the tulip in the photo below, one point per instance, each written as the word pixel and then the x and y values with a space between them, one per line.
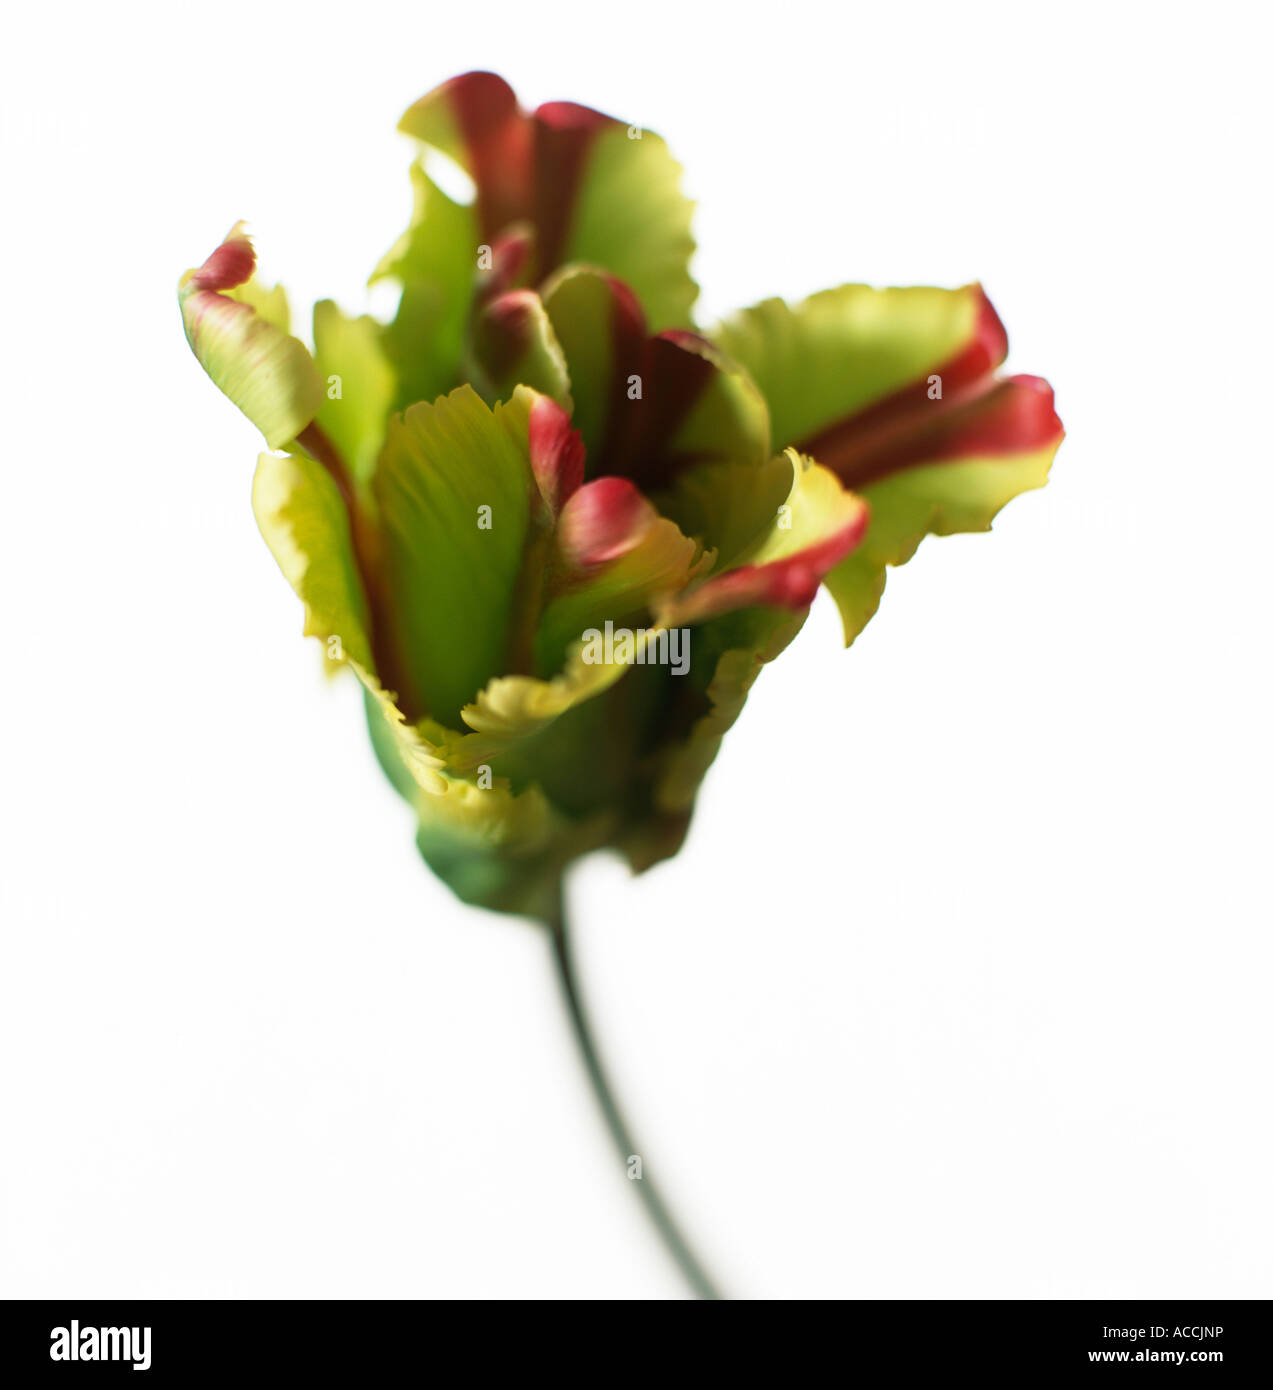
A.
pixel 553 528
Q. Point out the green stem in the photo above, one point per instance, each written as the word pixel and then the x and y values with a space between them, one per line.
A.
pixel 687 1262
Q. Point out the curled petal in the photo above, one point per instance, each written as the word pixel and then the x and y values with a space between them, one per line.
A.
pixel 817 525
pixel 267 373
pixel 304 522
pixel 590 189
pixel 649 407
pixel 475 120
pixel 896 392
pixel 1010 416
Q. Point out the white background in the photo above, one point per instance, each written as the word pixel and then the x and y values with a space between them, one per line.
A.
pixel 961 986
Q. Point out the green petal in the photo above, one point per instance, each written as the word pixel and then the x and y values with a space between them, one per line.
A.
pixel 303 519
pixel 435 262
pixel 269 302
pixel 454 488
pixel 601 331
pixel 513 709
pixel 494 849
pixel 493 846
pixel 558 761
pixel 730 506
pixel 514 344
pixel 843 349
pixel 304 522
pixel 267 373
pixel 632 219
pixel 360 385
pixel 649 407
pixel 815 525
pixel 938 500
pixel 895 391
pixel 586 737
pixel 588 188
pixel 697 406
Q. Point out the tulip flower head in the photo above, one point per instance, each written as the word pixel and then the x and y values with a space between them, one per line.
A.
pixel 553 528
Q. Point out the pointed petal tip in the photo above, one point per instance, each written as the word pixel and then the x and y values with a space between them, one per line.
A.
pixel 228 267
pixel 556 453
pixel 790 581
pixel 602 521
pixel 266 372
pixel 478 95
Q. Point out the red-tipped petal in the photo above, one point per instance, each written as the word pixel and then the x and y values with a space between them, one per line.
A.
pixel 475 120
pixel 563 135
pixel 964 371
pixel 229 266
pixel 266 372
pixel 788 582
pixel 648 407
pixel 556 453
pixel 602 333
pixel 1011 416
pixel 602 521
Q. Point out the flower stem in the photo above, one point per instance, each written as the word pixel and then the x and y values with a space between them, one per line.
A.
pixel 687 1262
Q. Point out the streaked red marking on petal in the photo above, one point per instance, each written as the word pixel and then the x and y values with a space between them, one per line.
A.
pixel 674 376
pixel 1010 416
pixel 602 521
pixel 1018 413
pixel 984 351
pixel 564 133
pixel 627 344
pixel 673 371
pixel 230 265
pixel 556 453
pixel 788 583
pixel 498 138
